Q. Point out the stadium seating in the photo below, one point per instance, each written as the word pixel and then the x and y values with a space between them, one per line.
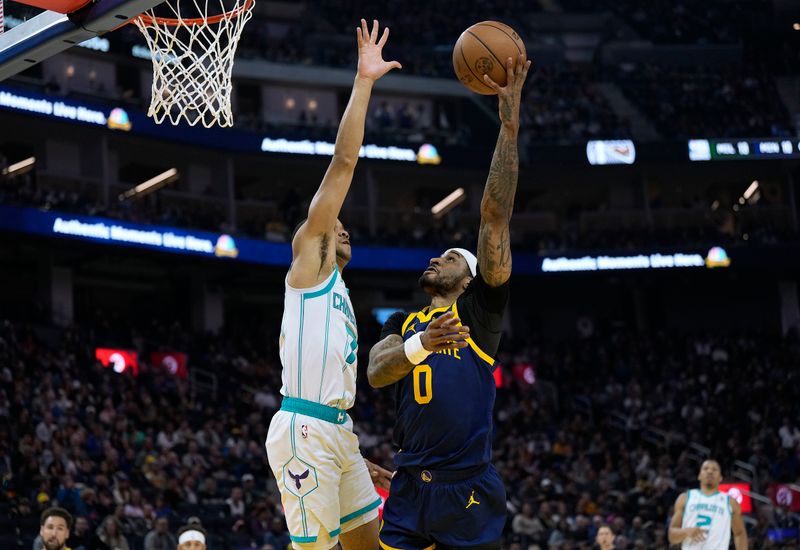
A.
pixel 595 429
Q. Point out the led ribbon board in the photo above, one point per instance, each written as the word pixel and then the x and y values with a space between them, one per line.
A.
pixel 227 248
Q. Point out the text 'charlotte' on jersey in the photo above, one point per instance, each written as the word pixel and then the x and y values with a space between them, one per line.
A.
pixel 319 343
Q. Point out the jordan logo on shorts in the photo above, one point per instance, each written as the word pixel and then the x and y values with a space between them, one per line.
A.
pixel 472 500
pixel 297 478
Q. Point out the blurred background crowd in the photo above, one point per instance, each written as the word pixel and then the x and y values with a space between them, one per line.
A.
pixel 602 427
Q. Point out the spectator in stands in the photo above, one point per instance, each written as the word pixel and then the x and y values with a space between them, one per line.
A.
pixel 278 537
pixel 249 492
pixel 160 538
pixel 235 502
pixel 528 527
pixel 81 537
pixel 69 496
pixel 109 534
pixel 789 434
pixel 122 490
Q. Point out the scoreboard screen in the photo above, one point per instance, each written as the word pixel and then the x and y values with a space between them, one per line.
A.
pixel 743 149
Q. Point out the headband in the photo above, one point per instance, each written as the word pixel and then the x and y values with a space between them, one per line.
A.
pixel 472 261
pixel 191 535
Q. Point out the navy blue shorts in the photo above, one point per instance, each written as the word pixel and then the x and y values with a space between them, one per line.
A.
pixel 427 508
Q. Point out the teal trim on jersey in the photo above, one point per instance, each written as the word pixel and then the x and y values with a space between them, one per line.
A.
pixel 361 512
pixel 303 515
pixel 730 508
pixel 324 290
pixel 336 532
pixel 300 349
pixel 308 296
pixel 294 455
pixel 301 540
pixel 316 410
pixel 303 518
pixel 325 353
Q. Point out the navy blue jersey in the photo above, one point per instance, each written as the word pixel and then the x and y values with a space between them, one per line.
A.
pixel 444 405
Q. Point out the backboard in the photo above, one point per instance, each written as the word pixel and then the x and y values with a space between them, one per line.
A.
pixel 58 29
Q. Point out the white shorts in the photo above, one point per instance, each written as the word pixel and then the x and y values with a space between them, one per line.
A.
pixel 325 486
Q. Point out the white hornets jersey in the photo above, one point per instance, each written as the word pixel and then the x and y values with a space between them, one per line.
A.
pixel 319 343
pixel 711 513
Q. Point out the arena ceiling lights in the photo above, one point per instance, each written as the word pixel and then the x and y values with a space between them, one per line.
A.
pixel 19 168
pixel 448 203
pixel 153 184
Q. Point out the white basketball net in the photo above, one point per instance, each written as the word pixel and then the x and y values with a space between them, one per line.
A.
pixel 193 60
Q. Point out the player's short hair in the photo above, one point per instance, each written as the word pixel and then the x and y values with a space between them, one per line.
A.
pixel 607 526
pixel 715 461
pixel 57 512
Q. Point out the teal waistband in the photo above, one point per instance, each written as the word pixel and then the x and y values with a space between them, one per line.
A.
pixel 317 410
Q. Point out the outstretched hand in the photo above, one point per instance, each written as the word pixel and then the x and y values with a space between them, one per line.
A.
pixel 510 95
pixel 370 52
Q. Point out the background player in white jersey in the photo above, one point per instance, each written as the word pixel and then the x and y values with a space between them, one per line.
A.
pixel 703 518
pixel 326 490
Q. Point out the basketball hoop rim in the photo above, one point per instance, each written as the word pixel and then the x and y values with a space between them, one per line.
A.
pixel 150 21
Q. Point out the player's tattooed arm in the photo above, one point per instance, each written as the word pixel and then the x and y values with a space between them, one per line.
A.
pixel 388 362
pixel 497 205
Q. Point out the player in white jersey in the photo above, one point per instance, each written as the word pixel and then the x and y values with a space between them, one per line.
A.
pixel 704 517
pixel 326 488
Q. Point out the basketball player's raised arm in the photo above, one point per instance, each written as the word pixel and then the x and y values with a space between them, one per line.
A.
pixel 494 246
pixel 678 534
pixel 737 526
pixel 310 244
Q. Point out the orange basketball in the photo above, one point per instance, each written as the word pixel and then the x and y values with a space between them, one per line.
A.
pixel 483 49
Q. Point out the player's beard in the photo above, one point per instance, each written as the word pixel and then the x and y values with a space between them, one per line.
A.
pixel 435 283
pixel 53 544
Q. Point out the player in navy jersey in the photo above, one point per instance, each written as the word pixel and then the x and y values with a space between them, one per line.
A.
pixel 440 360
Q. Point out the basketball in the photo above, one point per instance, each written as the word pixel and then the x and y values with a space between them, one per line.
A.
pixel 483 49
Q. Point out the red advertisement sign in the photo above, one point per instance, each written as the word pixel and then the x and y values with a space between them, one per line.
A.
pixel 498 376
pixel 121 360
pixel 785 496
pixel 173 362
pixel 740 492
